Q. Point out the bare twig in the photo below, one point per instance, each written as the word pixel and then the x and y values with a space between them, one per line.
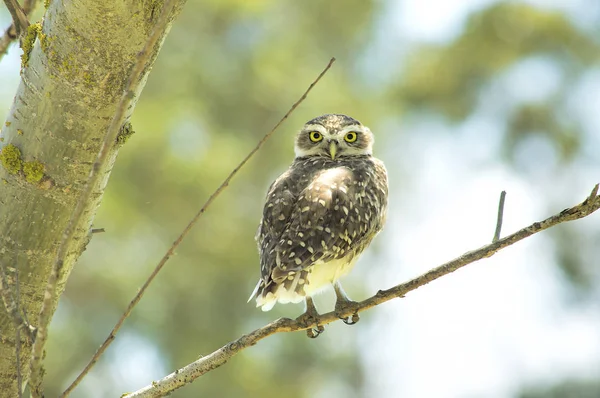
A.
pixel 109 139
pixel 185 231
pixel 10 34
pixel 28 6
pixel 500 216
pixel 18 15
pixel 12 308
pixel 97 230
pixel 207 363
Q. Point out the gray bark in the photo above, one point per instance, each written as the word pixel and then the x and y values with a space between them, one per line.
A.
pixel 70 88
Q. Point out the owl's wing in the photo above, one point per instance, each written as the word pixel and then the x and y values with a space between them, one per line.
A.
pixel 278 207
pixel 331 218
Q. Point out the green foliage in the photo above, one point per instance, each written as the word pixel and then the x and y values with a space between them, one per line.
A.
pixel 10 157
pixel 542 119
pixel 448 78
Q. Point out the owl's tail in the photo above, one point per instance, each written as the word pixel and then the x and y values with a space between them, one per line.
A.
pixel 264 301
pixel 254 291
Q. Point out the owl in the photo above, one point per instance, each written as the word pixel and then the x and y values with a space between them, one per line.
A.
pixel 320 214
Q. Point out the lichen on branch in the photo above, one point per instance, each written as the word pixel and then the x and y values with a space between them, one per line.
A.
pixel 28 41
pixel 34 171
pixel 124 134
pixel 10 157
pixel 12 161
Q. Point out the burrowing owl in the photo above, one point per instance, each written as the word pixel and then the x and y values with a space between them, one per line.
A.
pixel 320 214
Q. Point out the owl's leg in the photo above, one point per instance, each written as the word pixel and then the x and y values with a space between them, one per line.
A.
pixel 343 303
pixel 310 316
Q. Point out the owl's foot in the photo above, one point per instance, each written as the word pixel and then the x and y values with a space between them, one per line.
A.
pixel 313 333
pixel 309 317
pixel 343 304
pixel 342 307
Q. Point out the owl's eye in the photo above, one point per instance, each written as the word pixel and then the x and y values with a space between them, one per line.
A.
pixel 351 137
pixel 315 136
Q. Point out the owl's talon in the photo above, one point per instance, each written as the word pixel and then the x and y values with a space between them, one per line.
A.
pixel 313 333
pixel 342 307
pixel 343 304
pixel 351 320
pixel 311 316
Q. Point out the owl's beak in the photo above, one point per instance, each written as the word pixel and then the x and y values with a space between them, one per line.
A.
pixel 332 149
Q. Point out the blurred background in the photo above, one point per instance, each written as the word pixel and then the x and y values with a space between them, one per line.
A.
pixel 466 98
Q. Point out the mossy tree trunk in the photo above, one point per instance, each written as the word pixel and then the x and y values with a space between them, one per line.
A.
pixel 75 67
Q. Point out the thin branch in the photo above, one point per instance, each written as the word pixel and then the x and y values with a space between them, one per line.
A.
pixel 28 5
pixel 18 15
pixel 126 102
pixel 10 304
pixel 10 34
pixel 500 216
pixel 207 363
pixel 183 234
pixel 97 230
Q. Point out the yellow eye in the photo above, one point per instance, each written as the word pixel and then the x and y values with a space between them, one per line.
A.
pixel 315 136
pixel 351 136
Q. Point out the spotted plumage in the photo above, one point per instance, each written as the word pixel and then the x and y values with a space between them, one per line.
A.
pixel 321 213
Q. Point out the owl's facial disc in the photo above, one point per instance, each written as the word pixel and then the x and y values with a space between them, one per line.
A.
pixel 334 142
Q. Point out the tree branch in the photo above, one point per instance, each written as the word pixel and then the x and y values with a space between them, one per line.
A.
pixel 12 32
pixel 205 364
pixel 118 120
pixel 18 15
pixel 183 234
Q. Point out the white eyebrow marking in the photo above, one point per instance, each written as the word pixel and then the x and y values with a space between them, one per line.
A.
pixel 314 127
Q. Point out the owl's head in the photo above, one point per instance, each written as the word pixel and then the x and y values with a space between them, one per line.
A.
pixel 334 136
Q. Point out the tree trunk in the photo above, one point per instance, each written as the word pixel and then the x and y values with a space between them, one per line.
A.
pixel 72 80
